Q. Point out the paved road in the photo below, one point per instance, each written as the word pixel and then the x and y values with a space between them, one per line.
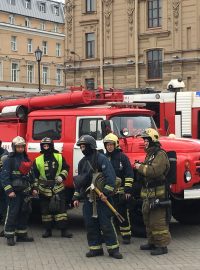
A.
pixel 57 253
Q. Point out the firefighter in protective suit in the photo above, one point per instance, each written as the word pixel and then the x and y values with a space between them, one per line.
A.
pixel 50 170
pixel 153 172
pixel 96 213
pixel 124 171
pixel 17 183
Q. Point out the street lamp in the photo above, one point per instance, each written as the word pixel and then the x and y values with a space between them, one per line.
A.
pixel 38 56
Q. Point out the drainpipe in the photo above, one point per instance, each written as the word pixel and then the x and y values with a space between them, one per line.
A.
pixel 136 46
pixel 101 44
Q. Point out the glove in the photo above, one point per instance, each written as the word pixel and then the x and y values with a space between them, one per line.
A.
pixel 137 166
pixel 59 179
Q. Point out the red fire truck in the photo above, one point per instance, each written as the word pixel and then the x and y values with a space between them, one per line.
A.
pixel 175 112
pixel 66 116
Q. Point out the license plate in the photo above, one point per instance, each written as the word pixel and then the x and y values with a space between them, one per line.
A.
pixel 192 193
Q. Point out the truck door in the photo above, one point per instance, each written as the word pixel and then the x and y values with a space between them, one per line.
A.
pixel 39 128
pixel 90 125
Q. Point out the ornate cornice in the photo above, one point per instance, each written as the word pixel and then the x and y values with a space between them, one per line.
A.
pixel 130 12
pixel 176 9
pixel 107 15
pixel 68 9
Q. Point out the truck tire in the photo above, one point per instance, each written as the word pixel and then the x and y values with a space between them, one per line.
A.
pixel 186 212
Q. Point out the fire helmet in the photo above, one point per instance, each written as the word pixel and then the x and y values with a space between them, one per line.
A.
pixel 46 140
pixel 150 133
pixel 87 140
pixel 111 138
pixel 18 141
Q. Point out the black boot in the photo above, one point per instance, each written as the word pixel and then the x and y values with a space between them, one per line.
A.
pixel 47 233
pixel 147 246
pixel 24 239
pixel 126 240
pixel 11 241
pixel 115 253
pixel 94 253
pixel 66 234
pixel 2 234
pixel 159 251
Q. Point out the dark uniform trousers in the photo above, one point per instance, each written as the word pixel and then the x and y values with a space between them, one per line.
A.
pixel 16 217
pixel 60 217
pixel 121 205
pixel 157 228
pixel 96 226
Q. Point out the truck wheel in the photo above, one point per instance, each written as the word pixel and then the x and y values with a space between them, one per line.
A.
pixel 186 212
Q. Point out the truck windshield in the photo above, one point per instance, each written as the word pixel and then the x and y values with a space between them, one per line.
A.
pixel 135 124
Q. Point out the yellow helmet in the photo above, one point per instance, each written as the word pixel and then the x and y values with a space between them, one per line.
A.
pixel 151 133
pixel 111 138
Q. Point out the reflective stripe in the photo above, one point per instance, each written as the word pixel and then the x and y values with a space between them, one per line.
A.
pixel 76 193
pixel 21 231
pixel 41 166
pixel 125 233
pixel 117 243
pixel 150 193
pixel 109 188
pixel 58 188
pixel 9 233
pixel 160 232
pixel 64 173
pixel 95 247
pixel 60 217
pixel 46 191
pixel 113 246
pixel 7 187
pixel 128 185
pixel 125 228
pixel 128 179
pixel 47 217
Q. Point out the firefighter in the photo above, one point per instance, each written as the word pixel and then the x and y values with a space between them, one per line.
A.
pixel 153 171
pixel 50 170
pixel 96 213
pixel 17 184
pixel 124 171
pixel 3 202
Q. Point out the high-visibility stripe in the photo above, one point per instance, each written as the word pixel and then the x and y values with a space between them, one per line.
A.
pixel 109 188
pixel 45 191
pixel 113 246
pixel 128 185
pixel 21 231
pixel 125 228
pixel 7 187
pixel 159 232
pixel 47 218
pixel 125 233
pixel 95 247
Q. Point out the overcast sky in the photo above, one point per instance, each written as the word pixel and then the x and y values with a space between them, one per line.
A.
pixel 60 1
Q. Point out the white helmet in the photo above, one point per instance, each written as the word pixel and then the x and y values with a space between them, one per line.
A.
pixel 18 141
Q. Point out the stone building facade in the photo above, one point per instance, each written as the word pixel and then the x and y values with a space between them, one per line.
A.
pixel 132 43
pixel 24 26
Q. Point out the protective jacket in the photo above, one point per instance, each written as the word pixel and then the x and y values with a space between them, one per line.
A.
pixel 154 170
pixel 96 162
pixel 123 169
pixel 11 172
pixel 46 168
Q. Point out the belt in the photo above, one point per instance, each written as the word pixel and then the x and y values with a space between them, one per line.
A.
pixel 154 184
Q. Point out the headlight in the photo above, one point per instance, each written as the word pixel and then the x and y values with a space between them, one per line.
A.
pixel 187 176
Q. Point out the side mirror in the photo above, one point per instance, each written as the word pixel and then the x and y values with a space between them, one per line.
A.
pixel 105 127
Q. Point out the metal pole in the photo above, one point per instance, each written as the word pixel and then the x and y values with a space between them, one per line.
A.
pixel 101 45
pixel 39 87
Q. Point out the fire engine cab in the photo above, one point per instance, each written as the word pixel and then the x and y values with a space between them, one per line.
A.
pixel 67 115
pixel 176 112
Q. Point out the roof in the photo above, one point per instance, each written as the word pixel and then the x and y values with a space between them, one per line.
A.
pixel 91 111
pixel 34 11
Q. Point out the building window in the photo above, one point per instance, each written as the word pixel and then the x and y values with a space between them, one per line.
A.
pixel 12 2
pixel 154 13
pixel 1 71
pixel 44 48
pixel 56 10
pixel 15 72
pixel 55 28
pixel 90 45
pixel 11 19
pixel 89 83
pixel 42 26
pixel 13 43
pixel 27 22
pixel 29 45
pixel 42 7
pixel 154 59
pixel 58 49
pixel 30 73
pixel 45 71
pixel 28 4
pixel 58 77
pixel 90 6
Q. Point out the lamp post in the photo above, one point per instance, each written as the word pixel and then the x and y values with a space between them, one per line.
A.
pixel 38 56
